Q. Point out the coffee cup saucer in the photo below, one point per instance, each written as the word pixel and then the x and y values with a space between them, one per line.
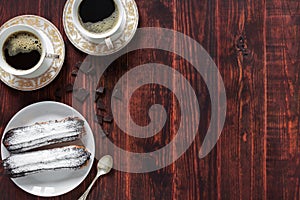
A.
pixel 100 49
pixel 30 83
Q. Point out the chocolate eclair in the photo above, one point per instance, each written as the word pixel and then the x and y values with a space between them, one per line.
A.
pixel 70 157
pixel 42 134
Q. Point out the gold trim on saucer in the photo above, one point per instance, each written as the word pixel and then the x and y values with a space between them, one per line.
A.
pixel 30 84
pixel 83 44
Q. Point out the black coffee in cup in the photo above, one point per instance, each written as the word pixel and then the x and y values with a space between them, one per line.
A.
pixel 22 50
pixel 98 16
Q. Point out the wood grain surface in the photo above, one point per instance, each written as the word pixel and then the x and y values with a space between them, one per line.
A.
pixel 255 45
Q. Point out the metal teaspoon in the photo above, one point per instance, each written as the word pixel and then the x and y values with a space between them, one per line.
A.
pixel 103 167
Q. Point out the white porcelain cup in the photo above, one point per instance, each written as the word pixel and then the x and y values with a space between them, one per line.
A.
pixel 108 36
pixel 43 64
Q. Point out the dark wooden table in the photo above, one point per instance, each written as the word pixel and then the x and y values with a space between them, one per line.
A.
pixel 255 45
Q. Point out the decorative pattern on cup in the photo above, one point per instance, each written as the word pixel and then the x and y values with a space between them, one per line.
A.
pixel 109 43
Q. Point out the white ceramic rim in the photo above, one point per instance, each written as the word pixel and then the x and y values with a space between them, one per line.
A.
pixel 99 35
pixel 89 130
pixel 10 31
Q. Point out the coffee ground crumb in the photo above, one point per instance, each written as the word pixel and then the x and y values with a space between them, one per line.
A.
pixel 74 72
pixel 117 94
pixel 108 119
pixel 100 90
pixel 104 133
pixel 58 93
pixel 69 88
pixel 78 64
pixel 100 105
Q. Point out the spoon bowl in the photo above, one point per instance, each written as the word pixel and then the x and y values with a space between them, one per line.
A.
pixel 105 164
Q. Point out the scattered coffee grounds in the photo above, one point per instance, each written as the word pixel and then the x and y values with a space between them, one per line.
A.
pixel 58 93
pixel 97 96
pixel 100 90
pixel 117 94
pixel 78 64
pixel 105 132
pixel 81 95
pixel 100 119
pixel 108 119
pixel 69 88
pixel 100 105
pixel 74 72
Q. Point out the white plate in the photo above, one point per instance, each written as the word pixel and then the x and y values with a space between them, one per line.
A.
pixel 58 182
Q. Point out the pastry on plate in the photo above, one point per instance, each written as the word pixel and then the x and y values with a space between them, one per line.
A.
pixel 42 134
pixel 68 157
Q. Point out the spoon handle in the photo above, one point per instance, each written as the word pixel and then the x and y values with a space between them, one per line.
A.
pixel 85 194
